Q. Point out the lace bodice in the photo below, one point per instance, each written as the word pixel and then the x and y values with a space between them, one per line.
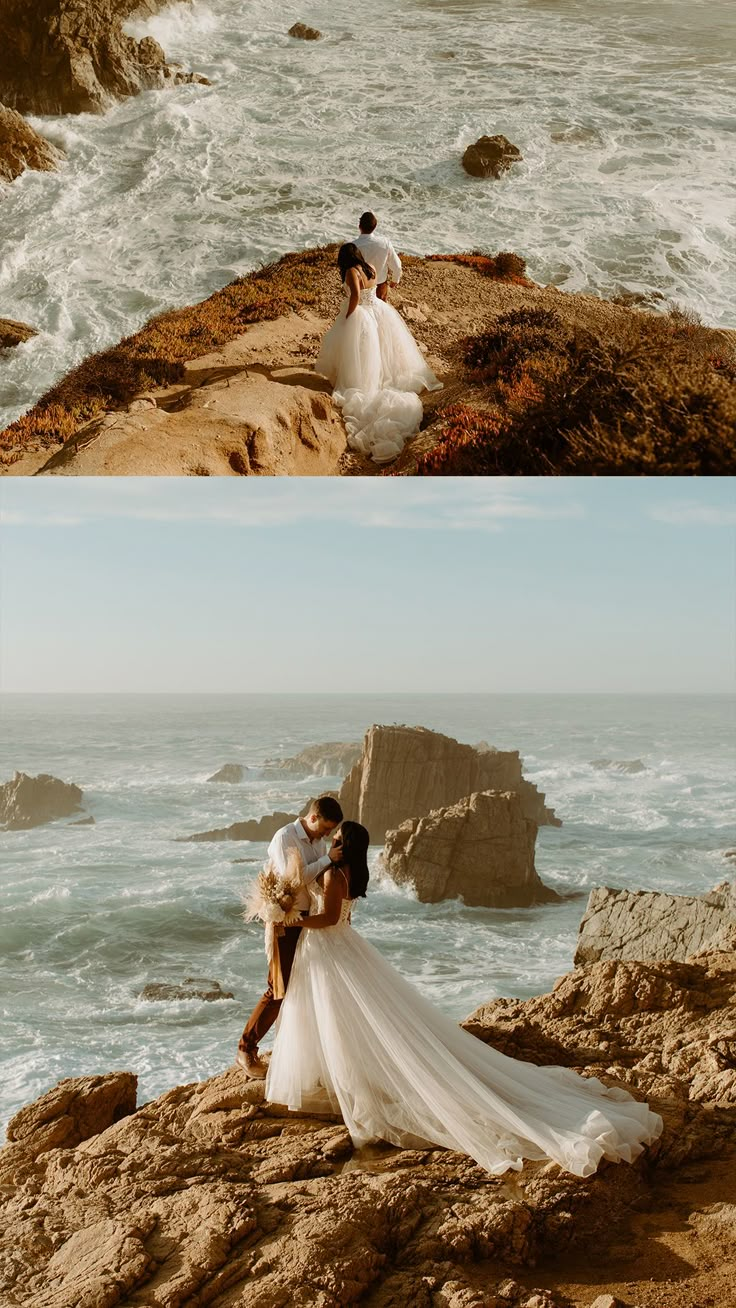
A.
pixel 365 296
pixel 345 911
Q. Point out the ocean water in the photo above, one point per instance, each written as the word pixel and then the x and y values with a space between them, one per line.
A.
pixel 623 112
pixel 91 914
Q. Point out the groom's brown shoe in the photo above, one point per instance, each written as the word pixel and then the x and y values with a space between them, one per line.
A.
pixel 251 1064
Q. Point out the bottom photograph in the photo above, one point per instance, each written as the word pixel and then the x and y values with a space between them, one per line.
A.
pixel 368 922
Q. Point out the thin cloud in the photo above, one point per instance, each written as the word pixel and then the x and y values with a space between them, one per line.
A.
pixel 682 514
pixel 396 504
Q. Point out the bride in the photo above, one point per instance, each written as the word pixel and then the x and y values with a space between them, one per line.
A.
pixel 374 363
pixel 355 1038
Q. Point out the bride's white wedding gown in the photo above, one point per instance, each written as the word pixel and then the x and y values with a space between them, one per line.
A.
pixel 355 1038
pixel 377 371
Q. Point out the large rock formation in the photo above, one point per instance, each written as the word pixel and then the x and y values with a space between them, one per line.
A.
pixel 646 925
pixel 72 56
pixel 334 759
pixel 210 1195
pixel 22 147
pixel 31 801
pixel 405 772
pixel 480 849
pixel 490 156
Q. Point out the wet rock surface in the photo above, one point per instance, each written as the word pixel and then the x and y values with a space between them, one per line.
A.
pixel 490 156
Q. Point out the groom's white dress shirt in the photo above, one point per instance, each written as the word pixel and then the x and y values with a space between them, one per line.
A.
pixel 381 254
pixel 312 855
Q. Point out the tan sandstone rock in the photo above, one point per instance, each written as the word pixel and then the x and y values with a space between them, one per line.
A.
pixel 14 333
pixel 480 849
pixel 645 924
pixel 209 1195
pixel 72 56
pixel 32 801
pixel 246 425
pixel 406 772
pixel 22 147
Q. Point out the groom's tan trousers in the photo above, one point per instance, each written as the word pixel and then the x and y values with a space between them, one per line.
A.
pixel 267 1009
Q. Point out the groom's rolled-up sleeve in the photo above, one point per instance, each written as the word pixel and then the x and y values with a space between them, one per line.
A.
pixel 394 263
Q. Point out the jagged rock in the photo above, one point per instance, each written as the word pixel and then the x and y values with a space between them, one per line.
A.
pixel 14 333
pixel 490 156
pixel 209 1194
pixel 72 56
pixel 304 33
pixel 22 147
pixel 229 772
pixel 406 772
pixel 331 760
pixel 31 801
pixel 191 989
pixel 253 829
pixel 644 924
pixel 76 1109
pixel 480 849
pixel 83 822
pixel 630 766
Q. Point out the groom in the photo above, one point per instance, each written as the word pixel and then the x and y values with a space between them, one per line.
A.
pixel 379 252
pixel 305 838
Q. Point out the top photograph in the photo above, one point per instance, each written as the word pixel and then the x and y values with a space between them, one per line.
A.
pixel 416 238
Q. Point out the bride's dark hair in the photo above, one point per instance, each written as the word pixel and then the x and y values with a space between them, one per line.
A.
pixel 355 841
pixel 349 256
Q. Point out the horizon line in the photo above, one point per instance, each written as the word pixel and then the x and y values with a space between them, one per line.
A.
pixel 356 694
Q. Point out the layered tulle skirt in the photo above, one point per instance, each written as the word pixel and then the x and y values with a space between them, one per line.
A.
pixel 378 372
pixel 355 1038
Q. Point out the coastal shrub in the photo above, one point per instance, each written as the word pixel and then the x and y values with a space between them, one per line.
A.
pixel 503 267
pixel 516 341
pixel 465 447
pixel 566 403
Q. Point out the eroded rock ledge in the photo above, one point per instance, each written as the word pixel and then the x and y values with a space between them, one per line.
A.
pixel 645 924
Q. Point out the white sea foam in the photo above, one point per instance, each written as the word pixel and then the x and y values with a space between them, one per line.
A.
pixel 94 913
pixel 172 194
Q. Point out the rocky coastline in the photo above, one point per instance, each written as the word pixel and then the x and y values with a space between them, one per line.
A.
pixel 70 57
pixel 209 1194
pixel 227 388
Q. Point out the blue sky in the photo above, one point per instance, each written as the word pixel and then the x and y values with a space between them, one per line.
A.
pixel 533 584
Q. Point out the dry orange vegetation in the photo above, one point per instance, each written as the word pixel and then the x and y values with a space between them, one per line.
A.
pixel 553 398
